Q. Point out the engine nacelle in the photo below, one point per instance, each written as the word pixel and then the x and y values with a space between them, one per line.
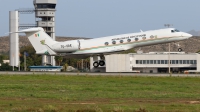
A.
pixel 67 46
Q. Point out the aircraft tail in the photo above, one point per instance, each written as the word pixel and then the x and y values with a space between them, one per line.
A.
pixel 39 39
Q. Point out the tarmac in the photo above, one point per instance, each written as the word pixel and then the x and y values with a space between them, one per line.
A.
pixel 101 74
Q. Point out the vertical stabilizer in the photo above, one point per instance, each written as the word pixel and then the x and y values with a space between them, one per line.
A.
pixel 38 39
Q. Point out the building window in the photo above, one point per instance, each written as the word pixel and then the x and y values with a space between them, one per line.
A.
pixel 51 6
pixel 195 61
pixel 188 61
pixel 144 62
pixel 121 41
pixel 114 42
pixel 158 61
pixel 151 61
pixel 140 61
pixel 129 40
pixel 155 61
pixel 147 61
pixel 162 61
pixel 173 62
pixel 137 61
pixel 191 62
pixel 180 61
pixel 184 62
pixel 176 62
pixel 106 43
pixel 166 61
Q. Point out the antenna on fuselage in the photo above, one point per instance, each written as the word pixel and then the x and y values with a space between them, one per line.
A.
pixel 141 30
pixel 168 25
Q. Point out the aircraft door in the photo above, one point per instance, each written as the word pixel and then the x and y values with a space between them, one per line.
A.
pixel 79 44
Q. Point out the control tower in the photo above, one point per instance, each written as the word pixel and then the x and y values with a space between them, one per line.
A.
pixel 45 18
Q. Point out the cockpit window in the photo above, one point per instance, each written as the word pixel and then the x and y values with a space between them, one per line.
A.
pixel 173 31
pixel 176 30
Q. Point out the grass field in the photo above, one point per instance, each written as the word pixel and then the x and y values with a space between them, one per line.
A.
pixel 51 93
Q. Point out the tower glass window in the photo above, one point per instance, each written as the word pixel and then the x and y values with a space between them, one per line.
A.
pixel 51 6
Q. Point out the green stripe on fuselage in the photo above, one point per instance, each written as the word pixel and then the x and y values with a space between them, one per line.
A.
pixel 124 44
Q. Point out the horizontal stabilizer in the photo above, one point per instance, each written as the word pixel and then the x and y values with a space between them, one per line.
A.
pixel 30 30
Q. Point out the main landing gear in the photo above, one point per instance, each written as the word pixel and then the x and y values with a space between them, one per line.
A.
pixel 96 64
pixel 98 61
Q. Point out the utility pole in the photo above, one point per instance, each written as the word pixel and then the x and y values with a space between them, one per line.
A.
pixel 13 62
pixel 169 25
pixel 82 64
pixel 24 61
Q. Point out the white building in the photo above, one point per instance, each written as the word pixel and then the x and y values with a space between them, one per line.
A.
pixel 153 62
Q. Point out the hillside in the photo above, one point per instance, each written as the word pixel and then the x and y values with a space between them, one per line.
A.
pixel 23 41
pixel 191 45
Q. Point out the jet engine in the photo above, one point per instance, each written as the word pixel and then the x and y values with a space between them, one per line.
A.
pixel 67 46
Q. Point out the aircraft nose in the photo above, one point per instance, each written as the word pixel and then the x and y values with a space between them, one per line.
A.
pixel 186 35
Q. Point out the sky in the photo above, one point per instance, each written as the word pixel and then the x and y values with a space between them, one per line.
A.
pixel 98 18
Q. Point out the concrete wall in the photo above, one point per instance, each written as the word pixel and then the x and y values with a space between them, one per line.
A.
pixel 14 38
pixel 198 62
pixel 118 63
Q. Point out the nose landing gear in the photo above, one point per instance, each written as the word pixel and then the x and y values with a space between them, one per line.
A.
pixel 179 48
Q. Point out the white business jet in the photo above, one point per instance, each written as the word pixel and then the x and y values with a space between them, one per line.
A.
pixel 44 44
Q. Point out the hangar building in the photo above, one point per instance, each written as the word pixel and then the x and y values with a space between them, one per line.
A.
pixel 153 62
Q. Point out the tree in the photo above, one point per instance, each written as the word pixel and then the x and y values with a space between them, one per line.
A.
pixel 3 57
pixel 5 67
pixel 65 67
pixel 32 59
pixel 59 59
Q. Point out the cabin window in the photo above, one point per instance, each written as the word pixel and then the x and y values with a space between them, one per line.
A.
pixel 136 39
pixel 114 42
pixel 151 36
pixel 121 41
pixel 129 40
pixel 106 43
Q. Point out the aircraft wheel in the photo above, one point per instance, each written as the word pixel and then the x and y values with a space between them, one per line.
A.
pixel 96 64
pixel 101 63
pixel 179 50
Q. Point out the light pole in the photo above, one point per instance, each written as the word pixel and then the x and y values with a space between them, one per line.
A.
pixel 169 25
